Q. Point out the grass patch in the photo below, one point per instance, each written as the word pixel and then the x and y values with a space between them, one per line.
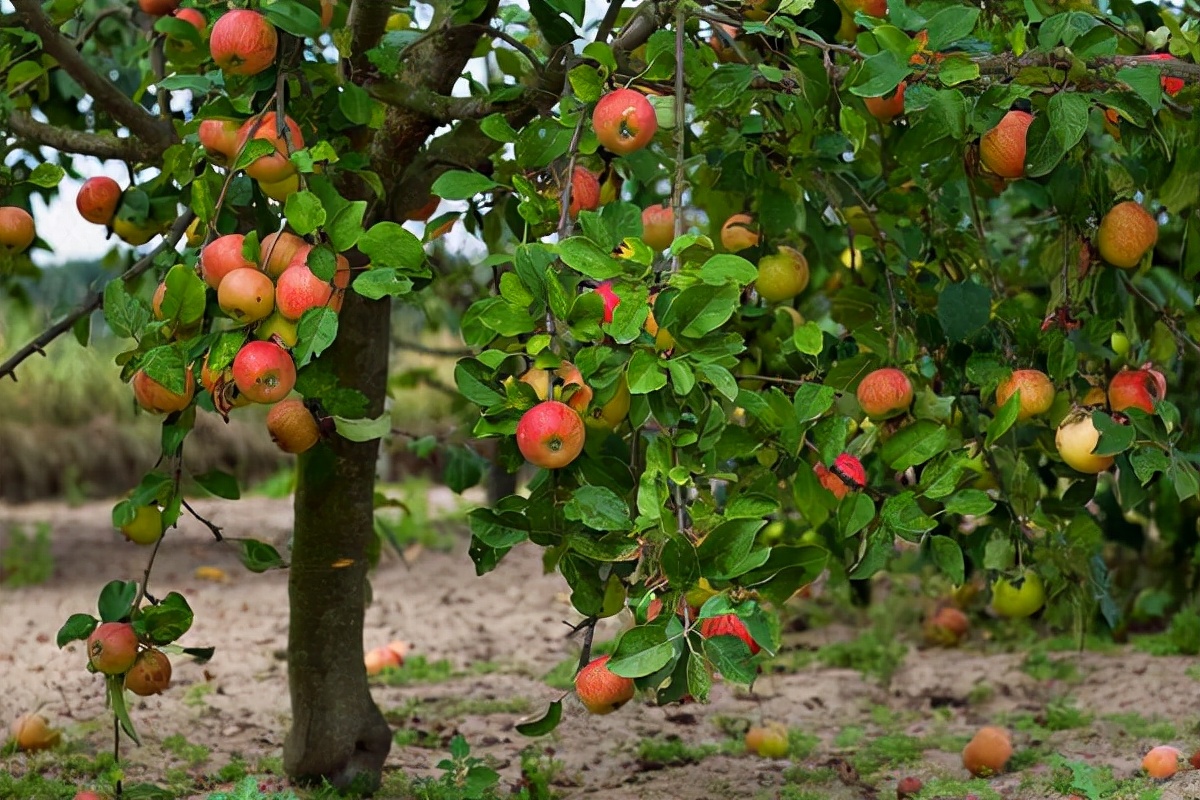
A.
pixel 874 653
pixel 26 560
pixel 1181 638
pixel 420 670
pixel 191 754
pixel 941 788
pixel 673 751
pixel 1041 667
pixel 888 750
pixel 194 696
pixel 849 736
pixel 1138 727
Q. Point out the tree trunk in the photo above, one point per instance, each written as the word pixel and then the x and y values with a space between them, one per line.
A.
pixel 338 733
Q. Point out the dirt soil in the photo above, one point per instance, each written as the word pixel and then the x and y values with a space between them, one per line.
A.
pixel 514 619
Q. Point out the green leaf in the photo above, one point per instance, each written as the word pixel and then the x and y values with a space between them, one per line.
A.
pixel 809 339
pixel 964 308
pixel 390 245
pixel 257 556
pixel 970 502
pixel 1114 437
pixel 498 530
pixel 363 430
pixel 122 311
pixel 957 69
pixel 540 142
pixel 586 258
pixel 115 693
pixel 462 185
pixel 316 331
pixel 185 298
pixel 948 557
pixel 950 25
pixel 304 212
pixel 382 282
pixel 497 128
pixel 293 17
pixel 646 373
pixel 586 83
pixel 598 508
pixel 46 175
pixel 1005 418
pixel 701 309
pixel 219 483
pixel 116 600
pixel 812 400
pixel 726 547
pixel 345 229
pixel 77 628
pixel 731 657
pixel 854 514
pixel 164 623
pixel 725 268
pixel 915 444
pixel 355 104
pixel 902 515
pixel 252 151
pixel 556 29
pixel 641 650
pixel 544 724
pixel 880 75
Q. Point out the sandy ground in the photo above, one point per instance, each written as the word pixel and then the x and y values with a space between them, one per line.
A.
pixel 514 618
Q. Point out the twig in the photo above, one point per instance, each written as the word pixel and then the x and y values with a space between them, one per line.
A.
pixel 426 350
pixel 156 134
pixel 1167 319
pixel 680 135
pixel 216 529
pixel 96 299
pixel 588 626
pixel 773 379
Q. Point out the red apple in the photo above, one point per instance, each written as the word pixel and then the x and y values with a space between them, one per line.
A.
pixel 885 393
pixel 624 121
pixel 98 199
pixel 550 435
pixel 1137 388
pixel 264 372
pixel 243 42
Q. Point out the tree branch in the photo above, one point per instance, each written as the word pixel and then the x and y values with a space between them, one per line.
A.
pixel 438 106
pixel 96 299
pixel 367 23
pixel 156 134
pixel 101 145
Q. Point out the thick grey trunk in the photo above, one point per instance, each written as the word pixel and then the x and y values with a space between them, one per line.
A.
pixel 338 734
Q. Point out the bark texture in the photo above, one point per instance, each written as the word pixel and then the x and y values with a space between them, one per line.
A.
pixel 338 733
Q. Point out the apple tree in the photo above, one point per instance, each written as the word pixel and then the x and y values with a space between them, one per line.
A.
pixel 772 289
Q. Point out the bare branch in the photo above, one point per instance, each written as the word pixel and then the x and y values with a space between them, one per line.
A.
pixel 101 145
pixel 156 134
pixel 95 300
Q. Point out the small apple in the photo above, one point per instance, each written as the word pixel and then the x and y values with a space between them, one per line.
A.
pixel 768 741
pixel 885 393
pixel 600 690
